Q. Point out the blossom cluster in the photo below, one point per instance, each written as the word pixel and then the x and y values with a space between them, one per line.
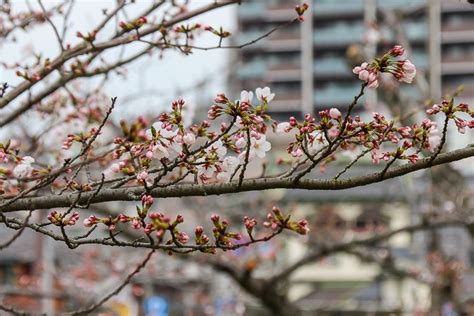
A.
pixel 60 219
pixel 167 142
pixel 159 224
pixel 403 70
pixel 133 25
pixel 277 220
pixel 451 110
pixel 313 138
pixel 24 167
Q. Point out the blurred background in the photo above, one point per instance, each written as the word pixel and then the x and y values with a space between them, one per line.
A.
pixel 308 65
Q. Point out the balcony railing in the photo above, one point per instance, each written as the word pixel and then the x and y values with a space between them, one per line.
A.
pixel 335 94
pixel 459 36
pixel 287 102
pixel 328 7
pixel 282 12
pixel 455 6
pixel 458 67
pixel 253 70
pixel 330 66
pixel 283 72
pixel 346 33
pixel 251 10
pixel 339 33
pixel 282 35
pixel 461 26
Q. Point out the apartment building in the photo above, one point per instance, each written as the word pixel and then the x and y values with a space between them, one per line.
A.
pixel 307 65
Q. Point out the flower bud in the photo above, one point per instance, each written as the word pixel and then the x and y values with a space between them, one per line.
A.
pixel 215 218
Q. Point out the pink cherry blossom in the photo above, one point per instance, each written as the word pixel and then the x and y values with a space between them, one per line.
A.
pixel 368 74
pixel 90 221
pixel 147 200
pixel 408 71
pixel 297 152
pixel 335 113
pixel 136 224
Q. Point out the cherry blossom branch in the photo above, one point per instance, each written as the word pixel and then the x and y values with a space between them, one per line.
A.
pixel 65 79
pixel 166 44
pixel 332 145
pixel 84 48
pixel 132 194
pixel 159 223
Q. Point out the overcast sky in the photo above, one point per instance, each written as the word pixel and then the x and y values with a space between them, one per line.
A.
pixel 173 74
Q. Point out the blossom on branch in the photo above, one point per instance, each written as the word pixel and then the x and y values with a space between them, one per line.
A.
pixel 264 94
pixel 403 70
pixel 23 168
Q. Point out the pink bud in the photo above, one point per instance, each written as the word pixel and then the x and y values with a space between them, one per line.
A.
pixel 147 200
pixel 397 50
pixel 136 224
pixel 199 230
pixel 215 218
pixel 335 113
pixel 123 218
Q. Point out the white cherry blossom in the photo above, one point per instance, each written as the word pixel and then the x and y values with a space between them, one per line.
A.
pixel 189 138
pixel 228 166
pixel 260 146
pixel 160 152
pixel 246 96
pixel 283 127
pixel 161 130
pixel 217 147
pixel 264 94
pixel 24 168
